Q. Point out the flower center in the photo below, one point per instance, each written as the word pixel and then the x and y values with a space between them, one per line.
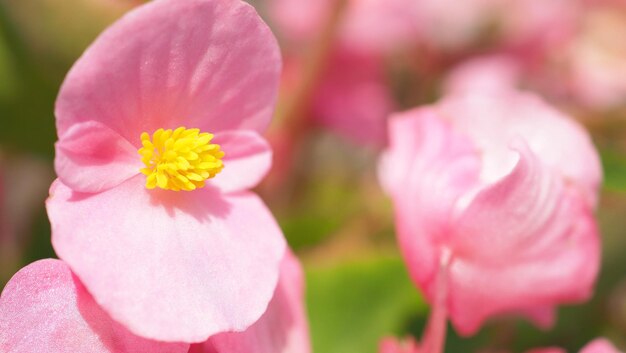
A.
pixel 179 160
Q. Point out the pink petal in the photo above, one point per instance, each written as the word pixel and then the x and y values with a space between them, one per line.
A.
pixel 599 345
pixel 209 64
pixel 522 211
pixel 248 158
pixel 44 308
pixel 493 120
pixel 283 328
pixel 91 158
pixel 523 245
pixel 170 266
pixel 490 73
pixel 426 169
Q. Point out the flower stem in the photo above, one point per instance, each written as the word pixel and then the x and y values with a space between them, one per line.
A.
pixel 434 337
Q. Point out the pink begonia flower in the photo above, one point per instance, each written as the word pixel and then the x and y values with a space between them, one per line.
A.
pixel 170 265
pixel 283 328
pixel 392 345
pixel 45 308
pixel 599 345
pixel 495 193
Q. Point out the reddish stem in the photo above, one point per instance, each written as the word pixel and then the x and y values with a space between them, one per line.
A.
pixel 434 337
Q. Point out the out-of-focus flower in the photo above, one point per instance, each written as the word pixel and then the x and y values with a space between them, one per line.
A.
pixel 497 191
pixel 45 308
pixel 596 57
pixel 283 328
pixel 448 25
pixel 350 94
pixel 394 21
pixel 392 345
pixel 353 98
pixel 207 256
pixel 584 65
pixel 599 345
pixel 529 27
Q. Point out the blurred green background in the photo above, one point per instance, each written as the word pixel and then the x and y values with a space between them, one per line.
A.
pixel 331 209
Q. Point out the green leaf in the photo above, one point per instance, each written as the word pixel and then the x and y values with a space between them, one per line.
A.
pixel 614 165
pixel 353 305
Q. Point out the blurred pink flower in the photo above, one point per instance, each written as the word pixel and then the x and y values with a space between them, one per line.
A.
pixel 394 21
pixel 353 98
pixel 528 26
pixel 392 345
pixel 283 328
pixel 597 57
pixel 599 345
pixel 208 256
pixel 498 190
pixel 45 308
pixel 351 95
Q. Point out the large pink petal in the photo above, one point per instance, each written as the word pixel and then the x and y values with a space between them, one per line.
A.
pixel 90 157
pixel 44 308
pixel 248 158
pixel 283 328
pixel 173 266
pixel 522 245
pixel 493 120
pixel 210 64
pixel 520 212
pixel 426 169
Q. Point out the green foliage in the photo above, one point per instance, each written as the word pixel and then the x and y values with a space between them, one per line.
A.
pixel 614 165
pixel 353 305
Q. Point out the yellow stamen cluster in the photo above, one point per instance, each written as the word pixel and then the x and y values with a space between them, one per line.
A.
pixel 179 160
